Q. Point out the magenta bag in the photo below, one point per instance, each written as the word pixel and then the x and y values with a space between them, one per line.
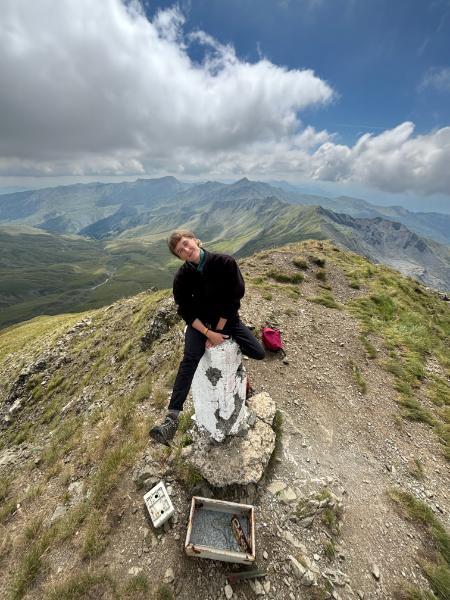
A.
pixel 271 338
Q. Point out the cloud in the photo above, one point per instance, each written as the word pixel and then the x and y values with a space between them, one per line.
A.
pixel 437 78
pixel 394 161
pixel 98 79
pixel 98 89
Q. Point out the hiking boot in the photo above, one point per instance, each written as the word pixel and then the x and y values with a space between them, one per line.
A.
pixel 164 433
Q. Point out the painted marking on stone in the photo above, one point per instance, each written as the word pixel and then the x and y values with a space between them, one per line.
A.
pixel 241 372
pixel 213 374
pixel 225 425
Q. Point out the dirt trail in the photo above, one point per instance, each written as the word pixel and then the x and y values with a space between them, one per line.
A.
pixel 353 443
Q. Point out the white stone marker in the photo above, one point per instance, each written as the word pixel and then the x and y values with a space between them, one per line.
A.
pixel 218 391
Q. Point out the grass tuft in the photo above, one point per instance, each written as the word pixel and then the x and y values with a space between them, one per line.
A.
pixel 63 440
pixel 317 260
pixel 33 529
pixel 410 592
pixel 277 426
pixel 327 299
pixel 109 472
pixel 4 488
pixel 416 469
pixel 358 377
pixel 86 584
pixel 437 569
pixel 160 399
pixel 185 421
pixel 96 536
pixel 329 550
pixel 187 473
pixel 281 277
pixel 31 566
pixel 300 263
pixel 414 411
pixel 7 509
pixel 124 351
pixel 370 348
pixel 137 585
pixel 164 592
pixel 8 503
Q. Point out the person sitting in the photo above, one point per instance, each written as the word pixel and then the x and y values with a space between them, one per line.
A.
pixel 207 290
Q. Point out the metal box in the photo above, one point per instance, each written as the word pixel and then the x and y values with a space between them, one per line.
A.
pixel 221 531
pixel 159 504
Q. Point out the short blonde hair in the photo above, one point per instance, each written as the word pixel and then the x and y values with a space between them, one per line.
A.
pixel 176 236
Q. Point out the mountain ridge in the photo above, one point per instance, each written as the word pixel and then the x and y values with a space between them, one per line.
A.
pixel 123 251
pixel 149 193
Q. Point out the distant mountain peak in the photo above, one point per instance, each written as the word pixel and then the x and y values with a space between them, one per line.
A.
pixel 166 178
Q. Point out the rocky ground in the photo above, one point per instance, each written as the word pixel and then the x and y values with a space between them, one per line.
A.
pixel 325 524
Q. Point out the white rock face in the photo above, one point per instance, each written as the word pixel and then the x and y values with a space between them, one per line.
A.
pixel 218 391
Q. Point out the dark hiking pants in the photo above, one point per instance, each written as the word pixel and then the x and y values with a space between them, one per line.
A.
pixel 194 348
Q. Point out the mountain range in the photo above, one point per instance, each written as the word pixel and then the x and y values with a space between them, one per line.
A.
pixel 85 245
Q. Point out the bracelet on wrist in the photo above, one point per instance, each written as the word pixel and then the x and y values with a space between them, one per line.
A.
pixel 206 331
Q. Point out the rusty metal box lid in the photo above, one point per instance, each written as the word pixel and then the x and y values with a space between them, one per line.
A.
pixel 221 530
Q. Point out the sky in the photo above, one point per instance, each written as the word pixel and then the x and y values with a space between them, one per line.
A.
pixel 339 94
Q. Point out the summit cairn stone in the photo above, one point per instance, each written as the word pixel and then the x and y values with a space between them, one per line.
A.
pixel 218 392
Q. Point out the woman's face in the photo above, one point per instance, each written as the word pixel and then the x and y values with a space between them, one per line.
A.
pixel 187 249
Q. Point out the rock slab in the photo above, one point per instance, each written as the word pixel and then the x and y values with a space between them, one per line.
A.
pixel 239 460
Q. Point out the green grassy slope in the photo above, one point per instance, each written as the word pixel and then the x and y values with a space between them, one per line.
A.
pixel 42 273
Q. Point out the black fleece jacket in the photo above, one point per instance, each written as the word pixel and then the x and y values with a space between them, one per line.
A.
pixel 214 292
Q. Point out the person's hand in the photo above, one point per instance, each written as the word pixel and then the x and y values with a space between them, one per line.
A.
pixel 215 339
